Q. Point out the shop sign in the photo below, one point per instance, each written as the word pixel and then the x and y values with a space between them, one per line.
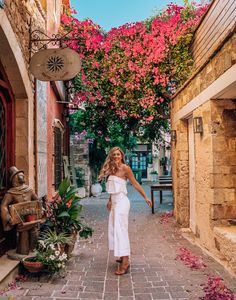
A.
pixel 55 64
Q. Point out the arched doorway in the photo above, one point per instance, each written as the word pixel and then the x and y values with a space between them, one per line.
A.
pixel 6 149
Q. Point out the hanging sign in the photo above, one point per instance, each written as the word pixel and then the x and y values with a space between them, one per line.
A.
pixel 55 64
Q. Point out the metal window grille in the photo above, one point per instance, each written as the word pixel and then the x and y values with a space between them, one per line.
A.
pixel 57 157
pixel 3 145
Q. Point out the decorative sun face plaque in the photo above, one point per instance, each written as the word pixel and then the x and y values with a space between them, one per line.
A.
pixel 55 64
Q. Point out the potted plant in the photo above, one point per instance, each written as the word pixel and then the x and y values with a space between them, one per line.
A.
pixel 60 240
pixel 32 264
pixel 153 175
pixel 28 214
pixel 63 213
pixel 48 257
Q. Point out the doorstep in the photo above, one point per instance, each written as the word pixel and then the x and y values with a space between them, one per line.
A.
pixel 8 270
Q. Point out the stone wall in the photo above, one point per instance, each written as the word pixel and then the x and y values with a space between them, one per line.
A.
pixel 222 61
pixel 215 155
pixel 79 158
pixel 203 170
pixel 15 20
pixel 22 14
pixel 223 177
pixel 180 162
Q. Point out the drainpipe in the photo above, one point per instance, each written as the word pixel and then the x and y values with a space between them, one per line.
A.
pixel 35 138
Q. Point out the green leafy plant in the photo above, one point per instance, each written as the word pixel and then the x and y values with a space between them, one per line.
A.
pixel 50 256
pixel 63 212
pixel 52 237
pixel 154 172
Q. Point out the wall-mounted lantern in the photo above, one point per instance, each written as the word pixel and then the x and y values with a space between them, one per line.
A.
pixel 197 125
pixel 173 135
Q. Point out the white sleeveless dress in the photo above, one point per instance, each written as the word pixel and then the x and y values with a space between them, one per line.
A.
pixel 118 237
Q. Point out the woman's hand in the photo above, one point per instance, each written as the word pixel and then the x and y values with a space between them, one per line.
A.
pixel 149 202
pixel 109 204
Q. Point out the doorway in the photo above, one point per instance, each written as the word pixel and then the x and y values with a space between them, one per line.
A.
pixel 7 239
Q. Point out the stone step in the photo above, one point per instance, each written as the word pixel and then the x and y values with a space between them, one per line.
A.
pixel 8 270
pixel 225 241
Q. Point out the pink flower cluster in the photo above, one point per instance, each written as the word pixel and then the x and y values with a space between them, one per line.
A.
pixel 215 289
pixel 190 260
pixel 130 66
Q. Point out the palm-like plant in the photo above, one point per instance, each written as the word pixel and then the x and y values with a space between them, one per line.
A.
pixel 52 237
pixel 64 212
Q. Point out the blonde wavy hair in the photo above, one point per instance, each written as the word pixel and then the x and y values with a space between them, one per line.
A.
pixel 109 167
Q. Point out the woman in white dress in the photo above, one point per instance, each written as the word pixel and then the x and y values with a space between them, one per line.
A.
pixel 117 172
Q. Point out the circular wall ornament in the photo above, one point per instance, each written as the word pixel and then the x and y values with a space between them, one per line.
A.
pixel 55 64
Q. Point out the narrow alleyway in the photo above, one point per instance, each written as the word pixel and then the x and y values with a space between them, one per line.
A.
pixel 154 273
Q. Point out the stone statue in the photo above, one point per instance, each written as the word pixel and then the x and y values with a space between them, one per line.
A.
pixel 18 193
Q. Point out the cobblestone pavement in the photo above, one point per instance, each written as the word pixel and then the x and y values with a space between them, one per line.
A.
pixel 155 273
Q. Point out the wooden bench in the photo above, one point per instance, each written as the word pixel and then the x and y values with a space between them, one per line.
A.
pixel 159 187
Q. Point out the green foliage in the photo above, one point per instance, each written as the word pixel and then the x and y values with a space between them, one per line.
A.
pixel 104 132
pixel 52 237
pixel 63 213
pixel 51 256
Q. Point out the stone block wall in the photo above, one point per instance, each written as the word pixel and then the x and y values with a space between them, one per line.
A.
pixel 180 174
pixel 203 170
pixel 22 14
pixel 221 62
pixel 223 177
pixel 215 152
pixel 79 157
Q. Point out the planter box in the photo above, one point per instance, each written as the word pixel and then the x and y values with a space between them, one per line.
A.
pixel 15 211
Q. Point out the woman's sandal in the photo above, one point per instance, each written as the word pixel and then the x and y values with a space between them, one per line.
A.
pixel 122 270
pixel 119 260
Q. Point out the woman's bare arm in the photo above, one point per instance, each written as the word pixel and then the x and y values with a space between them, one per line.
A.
pixel 109 204
pixel 137 186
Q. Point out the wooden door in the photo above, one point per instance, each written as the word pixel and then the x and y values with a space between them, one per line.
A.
pixel 7 239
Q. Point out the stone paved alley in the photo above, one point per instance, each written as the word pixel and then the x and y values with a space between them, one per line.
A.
pixel 154 273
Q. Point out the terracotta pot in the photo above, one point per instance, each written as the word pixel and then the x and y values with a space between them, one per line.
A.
pixel 30 218
pixel 70 247
pixel 32 266
pixel 60 248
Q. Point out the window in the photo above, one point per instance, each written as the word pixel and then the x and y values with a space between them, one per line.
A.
pixel 57 157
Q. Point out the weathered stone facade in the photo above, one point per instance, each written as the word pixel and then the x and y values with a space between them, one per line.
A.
pixel 214 152
pixel 29 104
pixel 22 14
pixel 15 21
pixel 79 158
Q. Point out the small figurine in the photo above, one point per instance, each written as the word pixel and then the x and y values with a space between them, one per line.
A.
pixel 19 193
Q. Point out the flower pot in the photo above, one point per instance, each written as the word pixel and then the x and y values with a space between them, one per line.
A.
pixel 31 265
pixel 70 247
pixel 30 218
pixel 96 189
